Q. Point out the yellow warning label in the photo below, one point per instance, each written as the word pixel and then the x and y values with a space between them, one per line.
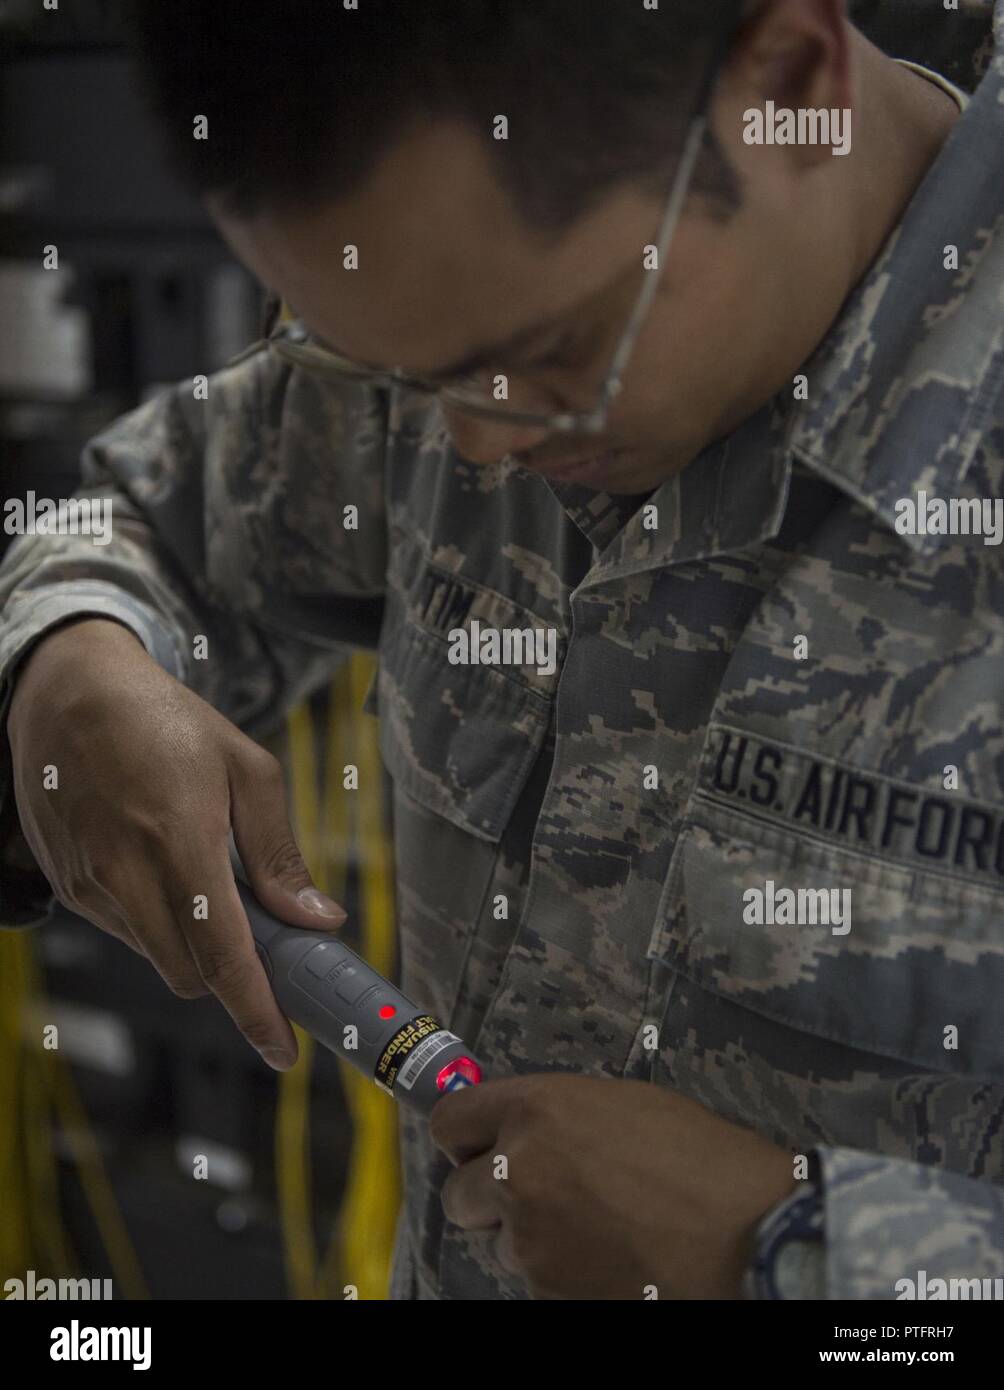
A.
pixel 401 1044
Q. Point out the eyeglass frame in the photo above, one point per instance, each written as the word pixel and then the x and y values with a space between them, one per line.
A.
pixel 277 335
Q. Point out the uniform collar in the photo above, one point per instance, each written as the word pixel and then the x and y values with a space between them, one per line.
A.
pixel 902 390
pixel 731 497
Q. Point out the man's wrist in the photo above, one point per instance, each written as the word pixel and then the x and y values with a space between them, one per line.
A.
pixel 790 1255
pixel 77 633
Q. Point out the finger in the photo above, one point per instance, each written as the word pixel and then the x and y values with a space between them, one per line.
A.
pixel 115 924
pixel 472 1196
pixel 505 1251
pixel 223 948
pixel 124 935
pixel 88 897
pixel 467 1122
pixel 100 902
pixel 152 920
pixel 91 900
pixel 106 918
pixel 268 849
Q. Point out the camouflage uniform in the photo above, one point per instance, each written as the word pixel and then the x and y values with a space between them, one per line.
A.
pixel 676 651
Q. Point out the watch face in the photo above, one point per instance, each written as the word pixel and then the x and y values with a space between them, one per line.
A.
pixel 791 1256
pixel 800 1269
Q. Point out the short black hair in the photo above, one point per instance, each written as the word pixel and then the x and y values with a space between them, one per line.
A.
pixel 303 96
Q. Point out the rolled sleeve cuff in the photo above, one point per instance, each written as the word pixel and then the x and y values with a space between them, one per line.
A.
pixel 889 1221
pixel 29 616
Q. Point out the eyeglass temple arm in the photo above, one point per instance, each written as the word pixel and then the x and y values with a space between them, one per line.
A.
pixel 670 221
pixel 674 210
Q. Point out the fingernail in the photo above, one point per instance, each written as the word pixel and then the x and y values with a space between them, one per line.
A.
pixel 278 1058
pixel 315 901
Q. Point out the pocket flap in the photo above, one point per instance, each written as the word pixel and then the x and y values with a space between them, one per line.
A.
pixel 460 740
pixel 923 953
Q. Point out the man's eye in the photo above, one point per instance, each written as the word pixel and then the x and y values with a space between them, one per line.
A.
pixel 560 352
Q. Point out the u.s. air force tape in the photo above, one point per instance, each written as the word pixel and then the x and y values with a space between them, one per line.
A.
pixel 400 1061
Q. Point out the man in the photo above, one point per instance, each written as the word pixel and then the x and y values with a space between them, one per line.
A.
pixel 715 893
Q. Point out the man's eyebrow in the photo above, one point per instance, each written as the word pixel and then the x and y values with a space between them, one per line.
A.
pixel 507 348
pixel 480 357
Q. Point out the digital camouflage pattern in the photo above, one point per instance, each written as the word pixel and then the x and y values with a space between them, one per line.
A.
pixel 676 652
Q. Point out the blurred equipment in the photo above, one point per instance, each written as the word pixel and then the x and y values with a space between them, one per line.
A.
pixel 113 281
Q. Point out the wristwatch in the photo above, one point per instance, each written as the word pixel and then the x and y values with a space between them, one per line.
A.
pixel 790 1259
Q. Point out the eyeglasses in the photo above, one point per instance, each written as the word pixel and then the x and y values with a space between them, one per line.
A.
pixel 293 342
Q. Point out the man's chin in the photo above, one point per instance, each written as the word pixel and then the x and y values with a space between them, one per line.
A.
pixel 626 472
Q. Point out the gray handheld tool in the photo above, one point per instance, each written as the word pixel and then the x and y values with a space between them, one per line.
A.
pixel 346 1005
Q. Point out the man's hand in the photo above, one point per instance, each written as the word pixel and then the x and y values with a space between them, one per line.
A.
pixel 609 1186
pixel 150 781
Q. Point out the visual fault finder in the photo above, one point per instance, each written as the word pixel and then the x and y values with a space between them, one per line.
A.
pixel 345 1004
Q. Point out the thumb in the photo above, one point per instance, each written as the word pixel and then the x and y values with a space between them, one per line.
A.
pixel 270 855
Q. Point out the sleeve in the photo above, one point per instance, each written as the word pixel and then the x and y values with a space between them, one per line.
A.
pixel 871 1228
pixel 237 527
pixel 893 1227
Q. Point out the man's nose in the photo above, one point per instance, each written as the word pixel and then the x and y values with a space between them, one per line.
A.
pixel 487 441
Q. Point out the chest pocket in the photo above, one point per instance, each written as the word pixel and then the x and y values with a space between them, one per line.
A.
pixel 924 953
pixel 459 740
pixel 459 737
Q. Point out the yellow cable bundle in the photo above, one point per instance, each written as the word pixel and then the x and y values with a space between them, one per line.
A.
pixel 359 1251
pixel 98 1190
pixel 16 1253
pixel 371 1198
pixel 50 1239
pixel 33 1080
pixel 292 1119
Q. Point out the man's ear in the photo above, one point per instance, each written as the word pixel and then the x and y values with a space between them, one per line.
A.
pixel 795 53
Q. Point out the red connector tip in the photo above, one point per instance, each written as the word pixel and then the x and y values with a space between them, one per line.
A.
pixel 464 1069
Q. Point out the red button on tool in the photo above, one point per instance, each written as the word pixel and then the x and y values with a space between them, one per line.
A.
pixel 387 1011
pixel 462 1066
